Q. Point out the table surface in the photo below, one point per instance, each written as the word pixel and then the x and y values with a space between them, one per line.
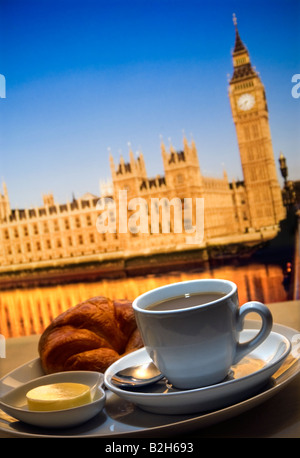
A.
pixel 278 417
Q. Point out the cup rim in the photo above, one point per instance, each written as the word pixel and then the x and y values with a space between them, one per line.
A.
pixel 149 293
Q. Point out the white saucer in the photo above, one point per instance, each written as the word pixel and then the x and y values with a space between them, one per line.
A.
pixel 244 380
pixel 121 418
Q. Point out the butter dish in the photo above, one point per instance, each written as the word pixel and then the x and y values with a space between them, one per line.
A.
pixel 14 403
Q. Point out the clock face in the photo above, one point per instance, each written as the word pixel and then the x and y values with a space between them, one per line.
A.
pixel 246 102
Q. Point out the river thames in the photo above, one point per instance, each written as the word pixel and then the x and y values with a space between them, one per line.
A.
pixel 29 311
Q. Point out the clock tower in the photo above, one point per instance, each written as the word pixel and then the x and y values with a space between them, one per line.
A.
pixel 250 115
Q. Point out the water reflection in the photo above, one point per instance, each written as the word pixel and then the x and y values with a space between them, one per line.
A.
pixel 29 311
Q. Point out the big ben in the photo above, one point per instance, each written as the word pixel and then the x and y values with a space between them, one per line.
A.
pixel 250 115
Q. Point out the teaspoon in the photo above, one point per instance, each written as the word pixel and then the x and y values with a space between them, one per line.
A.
pixel 136 376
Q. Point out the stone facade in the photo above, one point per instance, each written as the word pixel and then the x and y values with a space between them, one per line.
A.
pixel 57 232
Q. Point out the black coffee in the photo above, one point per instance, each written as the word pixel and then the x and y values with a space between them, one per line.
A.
pixel 186 301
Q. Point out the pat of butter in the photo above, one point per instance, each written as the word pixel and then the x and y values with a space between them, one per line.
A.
pixel 58 396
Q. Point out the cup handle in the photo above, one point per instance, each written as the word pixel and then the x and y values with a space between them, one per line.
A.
pixel 267 322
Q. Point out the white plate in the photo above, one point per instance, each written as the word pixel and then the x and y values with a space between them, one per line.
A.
pixel 122 418
pixel 245 379
pixel 14 402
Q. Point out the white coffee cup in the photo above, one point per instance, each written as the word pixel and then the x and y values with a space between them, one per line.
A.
pixel 196 346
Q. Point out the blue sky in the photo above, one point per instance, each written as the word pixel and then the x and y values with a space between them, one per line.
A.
pixel 84 76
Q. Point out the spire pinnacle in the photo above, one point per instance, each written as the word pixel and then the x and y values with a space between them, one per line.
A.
pixel 241 60
pixel 239 45
pixel 234 19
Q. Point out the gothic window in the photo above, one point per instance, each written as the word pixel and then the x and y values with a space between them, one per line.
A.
pixel 179 178
pixel 268 211
pixel 255 131
pixel 262 173
pixel 77 221
pixel 247 133
pixel 112 216
pixel 250 153
pixel 172 158
pixel 259 212
pixel 80 240
pixel 25 230
pixel 253 175
pixel 258 149
pixel 143 185
pixel 240 60
pixel 67 224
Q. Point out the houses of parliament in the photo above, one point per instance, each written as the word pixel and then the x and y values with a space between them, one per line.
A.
pixel 246 210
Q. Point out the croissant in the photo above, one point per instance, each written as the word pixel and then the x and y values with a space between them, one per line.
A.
pixel 90 336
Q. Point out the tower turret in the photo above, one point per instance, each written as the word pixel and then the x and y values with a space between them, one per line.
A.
pixel 250 115
pixel 4 203
pixel 182 170
pixel 128 175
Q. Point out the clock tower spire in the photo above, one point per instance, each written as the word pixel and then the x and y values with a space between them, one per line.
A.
pixel 250 115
